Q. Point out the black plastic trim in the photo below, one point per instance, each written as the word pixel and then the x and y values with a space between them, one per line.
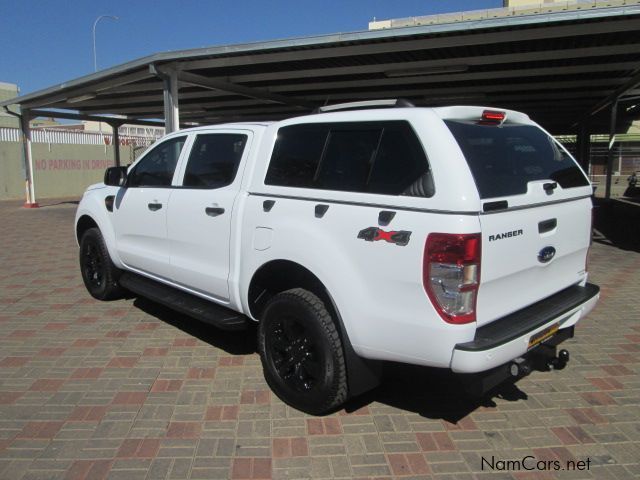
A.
pixel 320 210
pixel 385 217
pixel 214 211
pixel 267 205
pixel 361 204
pixel 362 374
pixel 183 302
pixel 528 319
pixel 536 205
pixel 493 206
pixel 108 202
pixel 547 225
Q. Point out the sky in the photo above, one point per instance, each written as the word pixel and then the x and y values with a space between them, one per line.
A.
pixel 47 42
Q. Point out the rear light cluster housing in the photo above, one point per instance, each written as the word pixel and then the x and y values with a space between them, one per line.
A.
pixel 451 275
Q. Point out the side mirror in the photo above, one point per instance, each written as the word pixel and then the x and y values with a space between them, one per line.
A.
pixel 115 176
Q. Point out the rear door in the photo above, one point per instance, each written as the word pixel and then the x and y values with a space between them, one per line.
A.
pixel 201 209
pixel 536 214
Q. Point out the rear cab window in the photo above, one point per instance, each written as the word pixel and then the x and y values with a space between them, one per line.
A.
pixel 366 157
pixel 214 160
pixel 503 159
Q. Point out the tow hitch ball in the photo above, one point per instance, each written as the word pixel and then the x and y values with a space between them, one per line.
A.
pixel 522 366
pixel 519 367
pixel 559 362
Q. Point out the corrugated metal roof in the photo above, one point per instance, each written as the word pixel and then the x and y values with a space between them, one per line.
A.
pixel 556 67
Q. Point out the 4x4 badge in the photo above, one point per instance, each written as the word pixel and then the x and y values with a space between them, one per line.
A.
pixel 546 254
pixel 373 234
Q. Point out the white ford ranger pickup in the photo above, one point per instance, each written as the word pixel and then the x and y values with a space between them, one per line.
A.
pixel 452 237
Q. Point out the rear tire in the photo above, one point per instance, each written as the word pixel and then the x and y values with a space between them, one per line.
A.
pixel 301 352
pixel 99 274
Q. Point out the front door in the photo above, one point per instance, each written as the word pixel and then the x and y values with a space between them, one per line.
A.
pixel 200 212
pixel 140 210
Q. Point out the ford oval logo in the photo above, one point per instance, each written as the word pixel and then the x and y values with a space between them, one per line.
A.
pixel 546 254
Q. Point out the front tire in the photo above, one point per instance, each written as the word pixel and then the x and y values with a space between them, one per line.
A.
pixel 99 274
pixel 301 352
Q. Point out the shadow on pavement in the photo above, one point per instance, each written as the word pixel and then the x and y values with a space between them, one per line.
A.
pixel 235 343
pixel 65 202
pixel 618 222
pixel 430 392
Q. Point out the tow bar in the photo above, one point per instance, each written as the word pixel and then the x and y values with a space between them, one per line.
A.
pixel 522 366
pixel 542 358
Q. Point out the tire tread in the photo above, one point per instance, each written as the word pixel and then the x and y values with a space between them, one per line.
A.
pixel 112 290
pixel 340 391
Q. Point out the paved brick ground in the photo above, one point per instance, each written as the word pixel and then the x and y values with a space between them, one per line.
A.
pixel 129 390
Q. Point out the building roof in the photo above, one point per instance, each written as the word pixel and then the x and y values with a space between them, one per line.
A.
pixel 558 67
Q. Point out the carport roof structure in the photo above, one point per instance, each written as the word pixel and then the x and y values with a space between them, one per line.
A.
pixel 561 68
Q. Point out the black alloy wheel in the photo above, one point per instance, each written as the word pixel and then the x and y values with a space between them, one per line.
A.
pixel 99 274
pixel 294 354
pixel 301 352
pixel 93 266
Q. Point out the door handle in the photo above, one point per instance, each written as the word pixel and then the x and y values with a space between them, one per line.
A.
pixel 154 206
pixel 214 211
pixel 547 225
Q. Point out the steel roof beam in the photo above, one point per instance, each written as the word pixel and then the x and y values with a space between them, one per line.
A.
pixel 135 88
pixel 413 92
pixel 513 58
pixel 628 87
pixel 223 111
pixel 416 80
pixel 557 71
pixel 476 60
pixel 89 89
pixel 96 118
pixel 185 107
pixel 525 87
pixel 257 93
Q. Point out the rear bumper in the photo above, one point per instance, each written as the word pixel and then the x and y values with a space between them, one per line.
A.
pixel 507 338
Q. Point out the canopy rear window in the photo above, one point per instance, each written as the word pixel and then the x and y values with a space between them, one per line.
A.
pixel 503 159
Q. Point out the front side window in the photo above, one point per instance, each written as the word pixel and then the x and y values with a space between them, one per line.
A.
pixel 157 167
pixel 367 157
pixel 214 159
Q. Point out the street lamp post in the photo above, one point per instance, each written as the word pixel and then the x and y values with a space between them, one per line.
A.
pixel 95 59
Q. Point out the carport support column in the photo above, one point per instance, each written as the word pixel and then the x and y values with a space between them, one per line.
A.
pixel 116 143
pixel 171 109
pixel 584 146
pixel 27 158
pixel 612 139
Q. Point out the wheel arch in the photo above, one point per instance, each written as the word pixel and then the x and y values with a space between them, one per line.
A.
pixel 84 223
pixel 277 276
pixel 91 214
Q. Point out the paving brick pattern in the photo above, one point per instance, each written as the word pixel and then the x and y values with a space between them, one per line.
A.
pixel 130 390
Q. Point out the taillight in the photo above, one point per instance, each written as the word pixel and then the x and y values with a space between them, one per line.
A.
pixel 493 116
pixel 451 274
